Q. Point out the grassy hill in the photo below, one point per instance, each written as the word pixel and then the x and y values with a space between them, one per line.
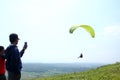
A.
pixel 107 72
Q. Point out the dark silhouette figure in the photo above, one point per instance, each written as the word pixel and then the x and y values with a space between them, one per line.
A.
pixel 81 56
pixel 2 64
pixel 13 58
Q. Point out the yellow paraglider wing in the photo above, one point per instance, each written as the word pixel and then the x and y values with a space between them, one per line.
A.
pixel 86 27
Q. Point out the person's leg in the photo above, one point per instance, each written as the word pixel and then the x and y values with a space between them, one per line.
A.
pixel 17 76
pixel 13 76
pixel 2 77
pixel 10 75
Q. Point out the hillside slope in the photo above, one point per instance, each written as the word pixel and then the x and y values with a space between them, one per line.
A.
pixel 107 72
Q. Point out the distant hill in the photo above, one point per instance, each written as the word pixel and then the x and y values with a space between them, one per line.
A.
pixel 38 70
pixel 107 72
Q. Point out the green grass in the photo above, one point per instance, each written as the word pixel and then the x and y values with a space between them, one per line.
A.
pixel 107 72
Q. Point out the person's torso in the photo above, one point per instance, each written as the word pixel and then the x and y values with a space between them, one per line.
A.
pixel 13 60
pixel 2 66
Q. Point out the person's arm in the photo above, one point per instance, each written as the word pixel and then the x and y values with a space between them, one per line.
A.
pixel 23 50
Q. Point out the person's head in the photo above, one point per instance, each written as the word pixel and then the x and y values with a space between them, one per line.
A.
pixel 1 49
pixel 13 37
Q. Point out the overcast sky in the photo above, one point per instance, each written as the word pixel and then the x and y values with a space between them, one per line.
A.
pixel 45 25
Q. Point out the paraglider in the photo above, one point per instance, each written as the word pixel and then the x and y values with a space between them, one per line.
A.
pixel 86 27
pixel 81 56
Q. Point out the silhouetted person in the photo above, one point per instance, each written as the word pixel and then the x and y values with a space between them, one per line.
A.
pixel 13 58
pixel 81 56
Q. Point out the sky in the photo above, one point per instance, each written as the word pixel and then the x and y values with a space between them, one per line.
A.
pixel 45 25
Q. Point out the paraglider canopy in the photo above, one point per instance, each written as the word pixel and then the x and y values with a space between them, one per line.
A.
pixel 86 27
